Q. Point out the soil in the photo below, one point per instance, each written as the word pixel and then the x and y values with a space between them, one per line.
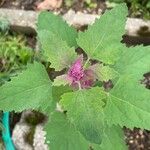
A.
pixel 19 4
pixel 77 5
pixel 80 5
pixel 137 139
pixel 31 41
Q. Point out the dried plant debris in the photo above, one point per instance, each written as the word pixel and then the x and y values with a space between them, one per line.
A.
pixel 137 139
pixel 146 80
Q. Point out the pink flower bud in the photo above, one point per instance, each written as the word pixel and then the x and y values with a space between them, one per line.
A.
pixel 76 72
pixel 77 75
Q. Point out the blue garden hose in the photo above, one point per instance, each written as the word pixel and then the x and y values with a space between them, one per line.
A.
pixel 6 132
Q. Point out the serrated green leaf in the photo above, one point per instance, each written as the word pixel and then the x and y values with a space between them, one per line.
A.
pixel 56 50
pixel 58 91
pixel 50 22
pixel 113 139
pixel 101 40
pixel 128 101
pixel 31 89
pixel 84 109
pixel 105 73
pixel 61 135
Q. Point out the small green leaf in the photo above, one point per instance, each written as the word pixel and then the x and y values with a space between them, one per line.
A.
pixel 61 80
pixel 58 91
pixel 105 73
pixel 148 5
pixel 102 39
pixel 84 110
pixel 56 50
pixel 61 135
pixel 50 22
pixel 31 89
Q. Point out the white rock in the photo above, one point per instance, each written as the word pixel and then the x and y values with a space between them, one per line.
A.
pixel 18 135
pixel 22 128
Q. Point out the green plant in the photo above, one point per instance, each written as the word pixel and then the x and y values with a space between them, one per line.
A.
pixel 90 117
pixel 14 55
pixel 69 3
pixel 138 8
pixel 87 3
pixel 4 25
pixel 90 4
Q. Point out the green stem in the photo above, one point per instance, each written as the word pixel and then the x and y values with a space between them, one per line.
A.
pixel 86 63
pixel 79 85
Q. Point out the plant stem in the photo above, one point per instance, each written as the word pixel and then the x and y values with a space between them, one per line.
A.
pixel 79 85
pixel 86 63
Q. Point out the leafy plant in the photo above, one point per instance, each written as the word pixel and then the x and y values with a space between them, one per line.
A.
pixel 69 3
pixel 138 8
pixel 4 25
pixel 85 3
pixel 14 55
pixel 90 4
pixel 90 117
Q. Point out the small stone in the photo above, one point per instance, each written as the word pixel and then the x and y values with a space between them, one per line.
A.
pixel 131 141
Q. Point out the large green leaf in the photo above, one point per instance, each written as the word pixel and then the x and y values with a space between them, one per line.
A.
pixel 56 50
pixel 61 135
pixel 101 40
pixel 31 89
pixel 50 22
pixel 128 102
pixel 84 109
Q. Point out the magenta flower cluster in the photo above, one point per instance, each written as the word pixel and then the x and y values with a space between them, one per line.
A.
pixel 80 77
